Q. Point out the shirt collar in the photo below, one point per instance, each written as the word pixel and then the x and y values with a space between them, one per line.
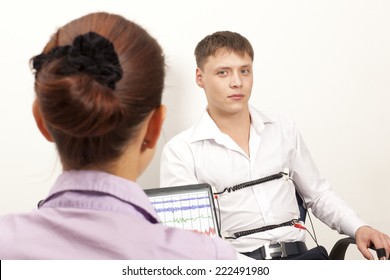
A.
pixel 206 128
pixel 98 181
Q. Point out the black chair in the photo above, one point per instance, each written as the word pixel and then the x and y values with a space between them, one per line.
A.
pixel 340 248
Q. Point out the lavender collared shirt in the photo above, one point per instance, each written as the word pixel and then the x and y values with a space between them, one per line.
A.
pixel 95 215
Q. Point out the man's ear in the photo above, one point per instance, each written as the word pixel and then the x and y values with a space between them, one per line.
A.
pixel 154 127
pixel 40 122
pixel 199 77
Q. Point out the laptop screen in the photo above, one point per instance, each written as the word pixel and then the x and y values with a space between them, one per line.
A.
pixel 189 207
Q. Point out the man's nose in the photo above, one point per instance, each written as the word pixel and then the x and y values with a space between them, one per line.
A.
pixel 236 80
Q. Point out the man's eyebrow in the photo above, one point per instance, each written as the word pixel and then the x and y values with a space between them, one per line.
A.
pixel 230 67
pixel 222 67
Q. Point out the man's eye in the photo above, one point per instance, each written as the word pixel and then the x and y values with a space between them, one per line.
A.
pixel 221 73
pixel 245 71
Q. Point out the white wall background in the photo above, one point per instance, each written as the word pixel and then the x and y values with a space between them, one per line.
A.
pixel 325 63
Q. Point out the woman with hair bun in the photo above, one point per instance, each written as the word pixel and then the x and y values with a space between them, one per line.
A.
pixel 98 84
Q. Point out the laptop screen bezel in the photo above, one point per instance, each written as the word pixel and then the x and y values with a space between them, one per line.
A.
pixel 183 189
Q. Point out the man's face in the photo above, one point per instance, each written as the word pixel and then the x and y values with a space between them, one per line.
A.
pixel 227 80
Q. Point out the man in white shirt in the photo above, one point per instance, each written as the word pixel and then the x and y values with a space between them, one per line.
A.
pixel 234 143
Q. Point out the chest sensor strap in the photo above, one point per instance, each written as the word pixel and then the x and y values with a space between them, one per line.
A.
pixel 255 182
pixel 261 229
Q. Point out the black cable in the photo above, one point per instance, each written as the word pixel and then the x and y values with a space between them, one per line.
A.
pixel 311 222
pixel 219 221
pixel 251 183
pixel 261 229
pixel 307 211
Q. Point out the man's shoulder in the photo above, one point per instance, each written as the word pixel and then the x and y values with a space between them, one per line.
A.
pixel 197 131
pixel 269 117
pixel 182 136
pixel 179 141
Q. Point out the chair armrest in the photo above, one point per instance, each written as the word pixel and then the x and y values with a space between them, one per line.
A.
pixel 339 249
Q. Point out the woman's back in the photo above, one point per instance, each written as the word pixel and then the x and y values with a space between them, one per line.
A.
pixel 95 215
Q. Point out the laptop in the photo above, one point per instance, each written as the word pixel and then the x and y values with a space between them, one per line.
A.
pixel 189 207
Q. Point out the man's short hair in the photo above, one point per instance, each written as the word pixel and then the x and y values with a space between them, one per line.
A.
pixel 232 41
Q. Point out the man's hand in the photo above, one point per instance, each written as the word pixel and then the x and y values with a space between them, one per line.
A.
pixel 366 236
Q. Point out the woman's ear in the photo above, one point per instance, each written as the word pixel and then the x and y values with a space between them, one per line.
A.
pixel 154 127
pixel 40 122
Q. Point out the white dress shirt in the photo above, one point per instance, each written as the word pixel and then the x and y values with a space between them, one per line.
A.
pixel 203 154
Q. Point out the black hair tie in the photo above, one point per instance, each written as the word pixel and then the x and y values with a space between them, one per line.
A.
pixel 90 53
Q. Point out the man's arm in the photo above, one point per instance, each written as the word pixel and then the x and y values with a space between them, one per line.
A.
pixel 329 207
